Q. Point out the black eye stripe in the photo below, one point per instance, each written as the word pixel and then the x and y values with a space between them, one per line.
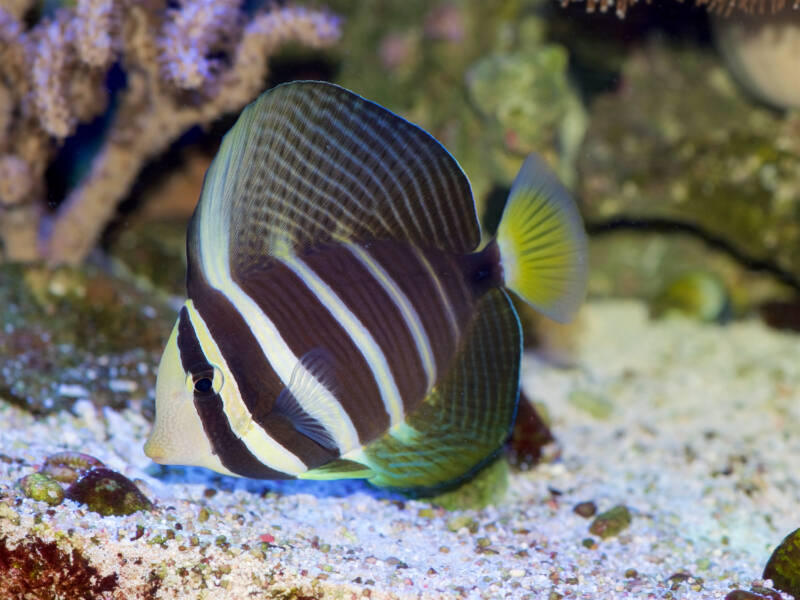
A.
pixel 191 353
pixel 201 372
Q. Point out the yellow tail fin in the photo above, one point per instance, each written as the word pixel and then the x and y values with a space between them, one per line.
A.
pixel 543 243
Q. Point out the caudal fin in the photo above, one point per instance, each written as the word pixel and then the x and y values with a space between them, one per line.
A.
pixel 543 243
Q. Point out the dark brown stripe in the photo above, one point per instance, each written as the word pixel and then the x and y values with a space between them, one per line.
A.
pixel 192 357
pixel 305 324
pixel 415 281
pixel 365 297
pixel 230 450
pixel 258 383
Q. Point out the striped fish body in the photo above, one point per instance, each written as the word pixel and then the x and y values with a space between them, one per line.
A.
pixel 340 320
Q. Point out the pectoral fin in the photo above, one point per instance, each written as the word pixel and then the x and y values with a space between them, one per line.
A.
pixel 306 402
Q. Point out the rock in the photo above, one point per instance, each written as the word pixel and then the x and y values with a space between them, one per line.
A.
pixel 643 264
pixel 66 467
pixel 108 493
pixel 694 150
pixel 699 295
pixel 67 331
pixel 155 250
pixel 529 436
pixel 783 567
pixel 761 51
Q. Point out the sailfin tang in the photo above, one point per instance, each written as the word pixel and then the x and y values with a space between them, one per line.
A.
pixel 311 379
pixel 542 243
pixel 309 163
pixel 466 418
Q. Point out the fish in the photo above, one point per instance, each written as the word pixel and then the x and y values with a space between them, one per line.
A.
pixel 345 317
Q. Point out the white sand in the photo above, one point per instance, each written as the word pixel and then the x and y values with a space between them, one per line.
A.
pixel 702 433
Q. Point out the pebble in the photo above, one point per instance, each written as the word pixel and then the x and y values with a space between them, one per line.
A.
pixel 585 509
pixel 43 488
pixel 611 522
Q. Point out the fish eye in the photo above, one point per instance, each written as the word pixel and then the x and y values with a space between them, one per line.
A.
pixel 205 379
pixel 202 385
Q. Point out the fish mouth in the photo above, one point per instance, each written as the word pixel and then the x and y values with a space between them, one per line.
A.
pixel 154 451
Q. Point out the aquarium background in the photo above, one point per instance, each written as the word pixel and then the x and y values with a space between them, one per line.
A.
pixel 656 448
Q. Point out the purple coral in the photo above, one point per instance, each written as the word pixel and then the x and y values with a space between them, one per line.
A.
pixel 52 77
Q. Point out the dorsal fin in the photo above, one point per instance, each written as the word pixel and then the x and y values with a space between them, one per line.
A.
pixel 309 163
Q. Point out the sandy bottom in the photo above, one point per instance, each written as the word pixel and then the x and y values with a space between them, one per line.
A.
pixel 694 428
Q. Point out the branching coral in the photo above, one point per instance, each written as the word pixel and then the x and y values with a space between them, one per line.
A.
pixel 186 64
pixel 723 7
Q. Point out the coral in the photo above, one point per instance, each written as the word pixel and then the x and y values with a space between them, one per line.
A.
pixel 723 7
pixel 185 65
pixel 36 568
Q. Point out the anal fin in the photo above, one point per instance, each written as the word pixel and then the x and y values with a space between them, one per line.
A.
pixel 466 417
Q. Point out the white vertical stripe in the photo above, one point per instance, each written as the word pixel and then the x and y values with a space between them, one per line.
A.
pixel 214 235
pixel 258 442
pixel 358 333
pixel 406 309
pixel 448 306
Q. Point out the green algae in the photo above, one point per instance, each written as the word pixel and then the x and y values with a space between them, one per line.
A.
pixel 594 404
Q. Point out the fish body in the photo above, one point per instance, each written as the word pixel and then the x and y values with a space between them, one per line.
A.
pixel 342 319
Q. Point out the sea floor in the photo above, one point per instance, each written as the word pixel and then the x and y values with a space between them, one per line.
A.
pixel 694 428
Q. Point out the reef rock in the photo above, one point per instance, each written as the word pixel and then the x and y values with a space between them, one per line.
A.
pixel 678 141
